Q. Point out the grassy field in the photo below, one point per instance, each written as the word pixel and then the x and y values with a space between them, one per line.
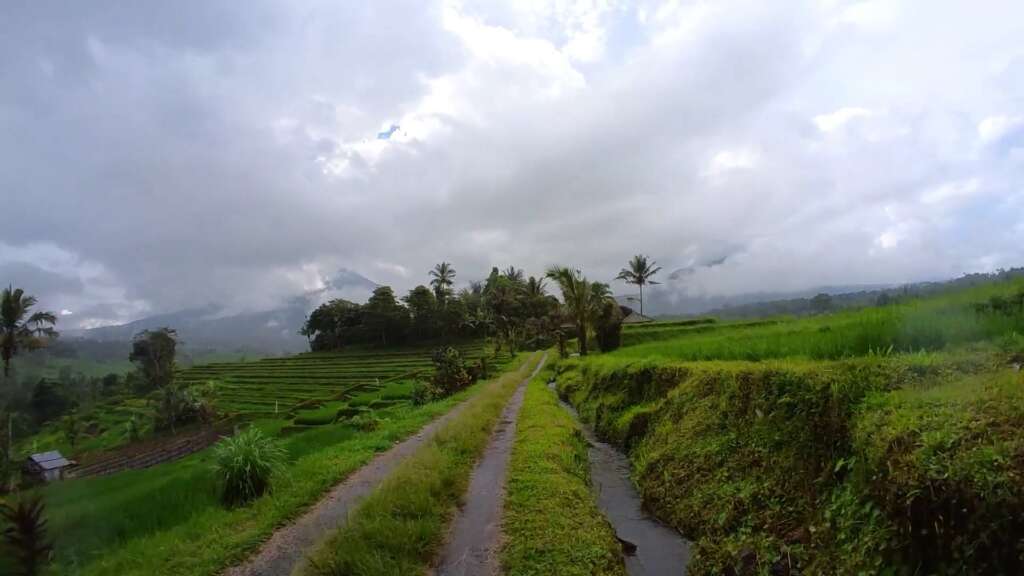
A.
pixel 926 324
pixel 549 472
pixel 149 521
pixel 399 528
pixel 883 440
pixel 271 386
pixel 307 388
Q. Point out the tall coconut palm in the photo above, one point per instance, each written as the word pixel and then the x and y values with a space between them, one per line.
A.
pixel 576 295
pixel 640 272
pixel 19 329
pixel 441 279
pixel 514 274
pixel 536 287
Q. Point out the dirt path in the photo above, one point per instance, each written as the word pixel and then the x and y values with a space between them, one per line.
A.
pixel 289 545
pixel 475 537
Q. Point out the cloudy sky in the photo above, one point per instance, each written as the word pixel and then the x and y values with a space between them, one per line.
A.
pixel 168 155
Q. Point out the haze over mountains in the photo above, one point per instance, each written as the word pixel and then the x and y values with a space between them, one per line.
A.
pixel 270 331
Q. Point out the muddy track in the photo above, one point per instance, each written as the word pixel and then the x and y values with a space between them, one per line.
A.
pixel 289 545
pixel 474 540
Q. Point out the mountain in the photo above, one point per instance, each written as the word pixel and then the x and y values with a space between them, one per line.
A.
pixel 269 331
pixel 755 305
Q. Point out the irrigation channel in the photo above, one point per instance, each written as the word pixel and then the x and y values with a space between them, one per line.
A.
pixel 474 541
pixel 650 547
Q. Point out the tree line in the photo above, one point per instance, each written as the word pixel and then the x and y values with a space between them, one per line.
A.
pixel 512 310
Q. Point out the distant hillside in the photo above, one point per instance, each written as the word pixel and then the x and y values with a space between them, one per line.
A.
pixel 856 298
pixel 269 332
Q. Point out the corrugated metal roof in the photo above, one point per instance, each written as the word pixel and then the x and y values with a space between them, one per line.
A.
pixel 50 460
pixel 636 318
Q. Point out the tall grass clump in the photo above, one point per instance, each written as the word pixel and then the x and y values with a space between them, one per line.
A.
pixel 245 464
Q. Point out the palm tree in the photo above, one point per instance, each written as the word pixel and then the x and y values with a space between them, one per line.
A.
pixel 20 330
pixel 514 274
pixel 639 272
pixel 576 294
pixel 441 278
pixel 536 287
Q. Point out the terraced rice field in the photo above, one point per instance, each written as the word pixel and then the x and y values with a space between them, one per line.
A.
pixel 280 385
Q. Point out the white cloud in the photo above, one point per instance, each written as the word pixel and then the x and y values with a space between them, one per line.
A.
pixel 952 192
pixel 231 156
pixel 731 160
pixel 994 128
pixel 835 121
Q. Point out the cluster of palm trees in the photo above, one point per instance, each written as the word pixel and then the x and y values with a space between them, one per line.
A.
pixel 591 306
pixel 19 327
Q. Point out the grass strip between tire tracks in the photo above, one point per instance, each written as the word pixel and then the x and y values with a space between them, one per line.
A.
pixel 400 527
pixel 552 524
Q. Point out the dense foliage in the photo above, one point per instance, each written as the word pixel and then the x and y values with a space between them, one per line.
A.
pixel 513 309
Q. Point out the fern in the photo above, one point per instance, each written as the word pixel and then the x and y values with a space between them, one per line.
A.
pixel 25 535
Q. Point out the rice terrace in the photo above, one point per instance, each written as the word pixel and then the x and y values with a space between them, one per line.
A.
pixel 506 288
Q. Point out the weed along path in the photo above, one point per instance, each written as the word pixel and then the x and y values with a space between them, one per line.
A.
pixel 474 542
pixel 659 550
pixel 285 550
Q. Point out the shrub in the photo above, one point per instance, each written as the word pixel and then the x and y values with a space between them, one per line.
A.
pixel 450 374
pixel 25 536
pixel 245 464
pixel 422 394
pixel 365 422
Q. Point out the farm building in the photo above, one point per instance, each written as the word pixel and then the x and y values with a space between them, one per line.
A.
pixel 46 466
pixel 635 317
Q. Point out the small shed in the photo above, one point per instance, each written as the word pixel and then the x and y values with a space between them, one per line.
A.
pixel 46 466
pixel 636 318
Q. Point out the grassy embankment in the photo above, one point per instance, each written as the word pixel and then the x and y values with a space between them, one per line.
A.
pixel 168 519
pixel 552 524
pixel 876 462
pixel 399 528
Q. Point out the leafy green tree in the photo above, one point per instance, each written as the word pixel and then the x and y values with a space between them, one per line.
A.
pixel 48 401
pixel 821 303
pixel 606 317
pixel 576 297
pixel 639 272
pixel 20 329
pixel 333 325
pixel 506 306
pixel 72 429
pixel 423 308
pixel 384 318
pixel 442 277
pixel 153 354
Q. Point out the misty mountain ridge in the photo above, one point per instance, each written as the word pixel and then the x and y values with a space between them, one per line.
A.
pixel 268 331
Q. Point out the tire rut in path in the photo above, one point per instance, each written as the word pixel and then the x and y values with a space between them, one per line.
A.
pixel 288 546
pixel 474 540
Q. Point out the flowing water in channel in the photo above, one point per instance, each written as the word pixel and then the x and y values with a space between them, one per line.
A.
pixel 660 550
